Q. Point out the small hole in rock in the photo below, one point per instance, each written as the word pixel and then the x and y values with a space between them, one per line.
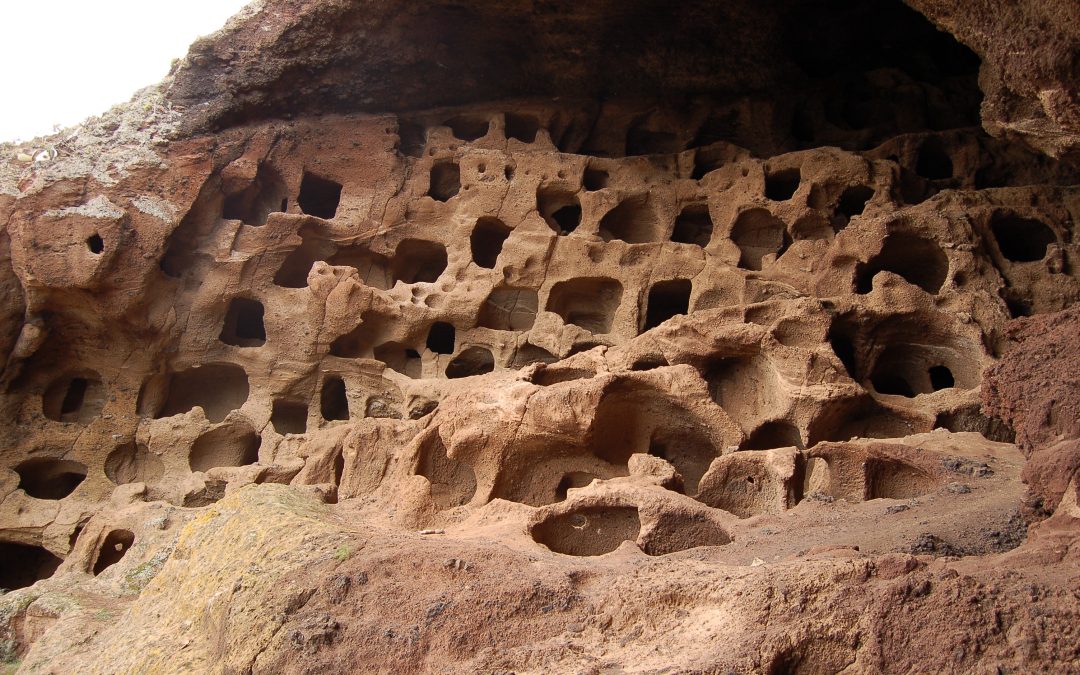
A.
pixel 522 127
pixel 1021 239
pixel 941 378
pixel 445 181
pixel 441 337
pixel 44 478
pixel 319 197
pixel 471 361
pixel 289 416
pixel 781 185
pixel 567 218
pixel 594 179
pixel 934 162
pixel 243 325
pixel 333 400
pixel 488 237
pixel 114 547
pixel 666 300
pixel 95 243
pixel 693 226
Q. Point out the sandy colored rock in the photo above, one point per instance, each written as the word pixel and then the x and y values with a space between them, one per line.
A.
pixel 527 337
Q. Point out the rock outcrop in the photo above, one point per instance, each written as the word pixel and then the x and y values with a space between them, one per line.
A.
pixel 540 337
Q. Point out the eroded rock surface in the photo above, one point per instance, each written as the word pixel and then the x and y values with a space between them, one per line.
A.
pixel 683 369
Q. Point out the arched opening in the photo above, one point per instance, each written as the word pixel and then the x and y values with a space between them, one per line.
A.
pixel 44 478
pixel 113 549
pixel 633 221
pixel 470 362
pixel 758 233
pixel 486 241
pixel 441 338
pixel 333 399
pixel 235 444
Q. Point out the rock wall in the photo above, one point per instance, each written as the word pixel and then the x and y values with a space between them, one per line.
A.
pixel 696 350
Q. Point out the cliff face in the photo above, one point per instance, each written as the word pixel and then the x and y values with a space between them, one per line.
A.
pixel 538 337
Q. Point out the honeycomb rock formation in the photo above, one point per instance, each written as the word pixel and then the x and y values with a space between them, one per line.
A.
pixel 442 338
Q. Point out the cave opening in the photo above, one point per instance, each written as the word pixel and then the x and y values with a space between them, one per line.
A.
pixel 44 478
pixel 468 128
pixel 633 221
pixel 74 398
pixel 333 399
pixel 418 261
pixel 266 194
pixel 486 241
pixel 441 338
pixel 1021 239
pixel 509 309
pixel 920 262
pixel 445 180
pixel 319 196
pixel 22 565
pixel 559 208
pixel 693 225
pixel 471 361
pixel 243 326
pixel 667 299
pixel 758 234
pixel 95 244
pixel 594 179
pixel 232 444
pixel 113 549
pixel 587 302
pixel 289 416
pixel 522 127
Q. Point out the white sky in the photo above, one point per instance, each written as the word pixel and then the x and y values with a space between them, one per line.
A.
pixel 62 61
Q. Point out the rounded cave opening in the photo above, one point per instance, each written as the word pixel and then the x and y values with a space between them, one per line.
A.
pixel 45 478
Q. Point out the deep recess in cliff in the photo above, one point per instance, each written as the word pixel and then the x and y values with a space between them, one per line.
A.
pixel 538 336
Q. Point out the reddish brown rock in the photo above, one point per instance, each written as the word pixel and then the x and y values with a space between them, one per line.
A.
pixel 544 338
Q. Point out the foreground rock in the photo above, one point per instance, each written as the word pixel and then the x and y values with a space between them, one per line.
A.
pixel 617 380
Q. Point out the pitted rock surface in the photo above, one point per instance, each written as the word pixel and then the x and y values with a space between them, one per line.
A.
pixel 342 367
